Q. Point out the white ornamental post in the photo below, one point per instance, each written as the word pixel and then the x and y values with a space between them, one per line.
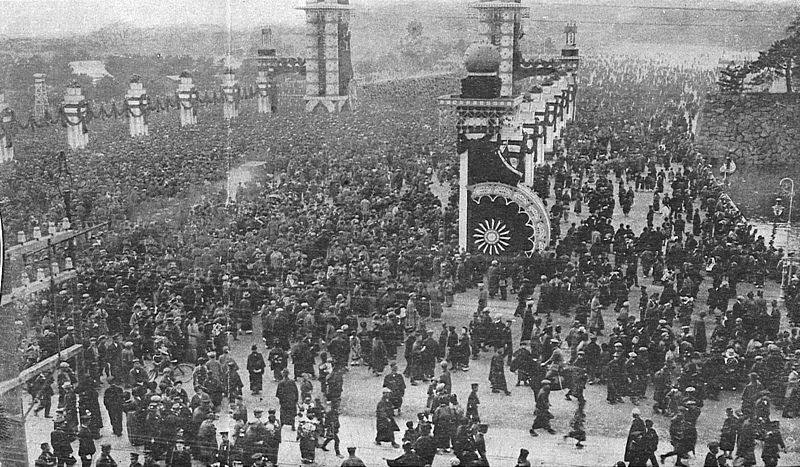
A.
pixel 266 71
pixel 229 90
pixel 263 85
pixel 75 113
pixel 7 131
pixel 187 98
pixel 136 98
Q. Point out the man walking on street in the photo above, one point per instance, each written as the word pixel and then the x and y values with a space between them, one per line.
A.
pixel 255 367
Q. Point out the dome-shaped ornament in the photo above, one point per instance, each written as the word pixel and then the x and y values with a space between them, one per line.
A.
pixel 482 58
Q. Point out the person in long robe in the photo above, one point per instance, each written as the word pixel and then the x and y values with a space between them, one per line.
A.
pixel 307 436
pixel 730 431
pixel 379 360
pixel 634 446
pixel 384 420
pixel 542 415
pixel 497 373
pixel 287 398
pixel 576 425
pixel 132 408
pixel 747 443
pixel 255 369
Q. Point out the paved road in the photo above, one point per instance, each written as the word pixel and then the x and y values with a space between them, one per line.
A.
pixel 507 417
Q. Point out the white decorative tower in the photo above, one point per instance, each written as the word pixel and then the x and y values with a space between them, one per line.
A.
pixel 230 92
pixel 266 73
pixel 40 102
pixel 328 65
pixel 7 131
pixel 75 113
pixel 187 98
pixel 136 98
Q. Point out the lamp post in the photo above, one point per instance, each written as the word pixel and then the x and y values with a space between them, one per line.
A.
pixel 783 183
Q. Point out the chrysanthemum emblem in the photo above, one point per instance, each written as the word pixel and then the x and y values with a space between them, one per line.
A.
pixel 492 236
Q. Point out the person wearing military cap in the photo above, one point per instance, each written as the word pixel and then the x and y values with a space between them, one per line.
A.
pixel 86 447
pixel 135 460
pixel 105 459
pixel 180 456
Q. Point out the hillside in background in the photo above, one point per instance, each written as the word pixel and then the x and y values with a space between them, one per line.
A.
pixel 383 42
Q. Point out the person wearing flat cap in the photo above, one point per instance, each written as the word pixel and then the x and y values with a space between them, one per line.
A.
pixel 46 458
pixel 713 456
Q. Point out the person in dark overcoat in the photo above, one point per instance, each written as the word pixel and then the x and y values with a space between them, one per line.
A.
pixel 112 400
pixel 497 372
pixel 634 446
pixel 384 420
pixel 287 395
pixel 255 368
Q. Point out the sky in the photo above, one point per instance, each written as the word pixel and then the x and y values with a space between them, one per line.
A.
pixel 61 17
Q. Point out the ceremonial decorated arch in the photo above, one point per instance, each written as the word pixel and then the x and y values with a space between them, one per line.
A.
pixel 506 220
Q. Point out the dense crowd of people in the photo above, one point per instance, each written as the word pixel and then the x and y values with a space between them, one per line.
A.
pixel 346 246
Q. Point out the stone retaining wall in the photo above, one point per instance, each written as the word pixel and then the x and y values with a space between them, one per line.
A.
pixel 757 129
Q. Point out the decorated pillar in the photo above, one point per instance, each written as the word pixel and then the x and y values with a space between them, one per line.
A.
pixel 230 92
pixel 572 94
pixel 499 214
pixel 328 67
pixel 570 54
pixel 76 116
pixel 187 98
pixel 549 126
pixel 7 134
pixel 541 134
pixel 136 99
pixel 265 81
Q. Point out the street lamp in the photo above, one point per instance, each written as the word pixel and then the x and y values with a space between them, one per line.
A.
pixel 783 183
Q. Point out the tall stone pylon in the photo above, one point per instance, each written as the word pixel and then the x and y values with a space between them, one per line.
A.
pixel 40 102
pixel 328 65
pixel 75 113
pixel 265 81
pixel 136 98
pixel 187 98
pixel 230 93
pixel 6 131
